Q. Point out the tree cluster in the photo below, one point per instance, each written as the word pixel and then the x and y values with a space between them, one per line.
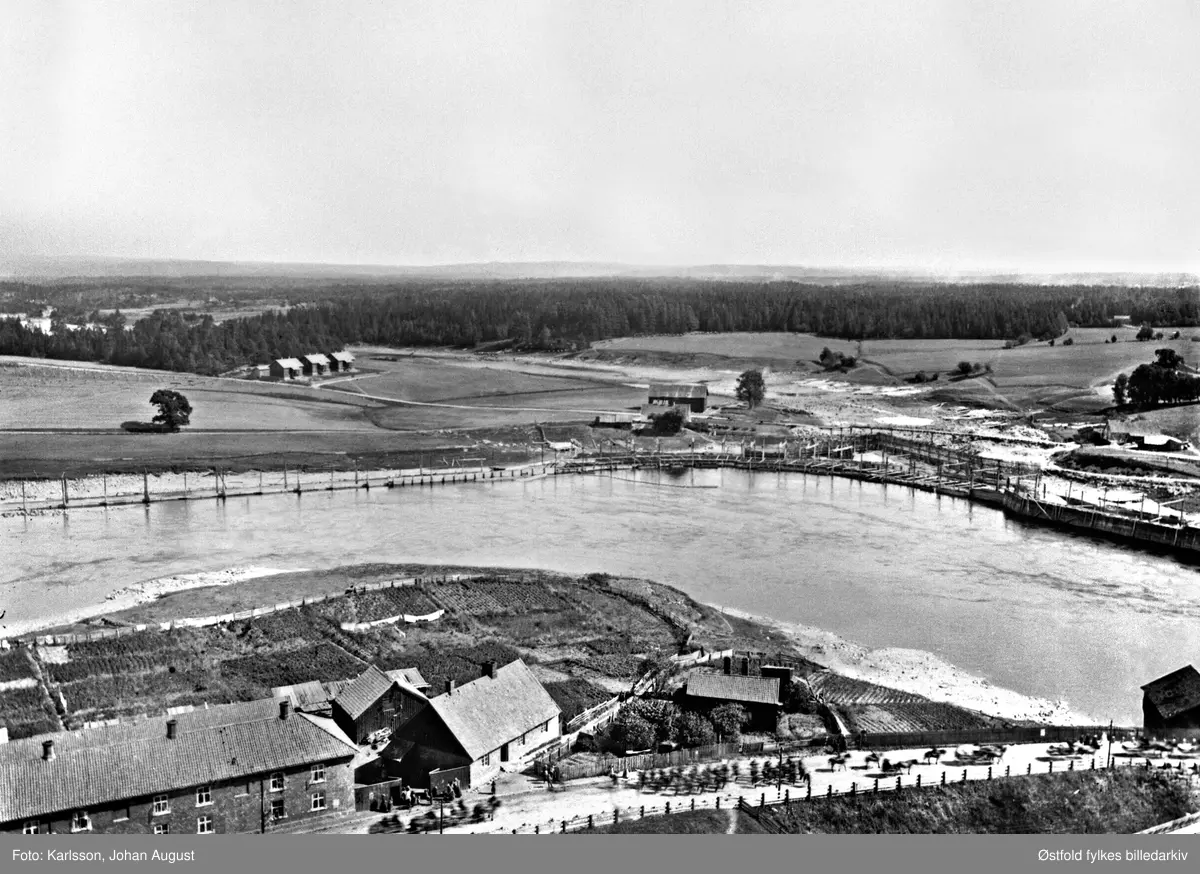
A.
pixel 554 315
pixel 831 360
pixel 644 723
pixel 1162 382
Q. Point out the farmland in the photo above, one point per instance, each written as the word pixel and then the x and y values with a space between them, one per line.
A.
pixel 913 716
pixel 592 637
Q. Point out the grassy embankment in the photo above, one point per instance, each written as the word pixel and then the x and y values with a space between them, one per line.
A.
pixel 1122 801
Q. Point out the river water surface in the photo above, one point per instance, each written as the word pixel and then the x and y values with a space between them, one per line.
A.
pixel 1040 611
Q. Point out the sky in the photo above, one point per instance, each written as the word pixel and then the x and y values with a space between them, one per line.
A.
pixel 1039 135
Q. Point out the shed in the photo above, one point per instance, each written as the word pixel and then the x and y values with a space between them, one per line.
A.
pixel 758 695
pixel 340 362
pixel 286 368
pixel 694 396
pixel 1172 702
pixel 315 364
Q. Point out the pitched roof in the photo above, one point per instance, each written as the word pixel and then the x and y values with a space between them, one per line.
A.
pixel 409 677
pixel 133 760
pixel 342 356
pixel 316 358
pixel 312 694
pixel 1175 693
pixel 751 690
pixel 490 711
pixel 291 363
pixel 367 688
pixel 694 390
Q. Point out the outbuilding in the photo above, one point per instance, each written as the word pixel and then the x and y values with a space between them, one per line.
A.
pixel 694 396
pixel 758 695
pixel 1172 702
pixel 341 362
pixel 286 368
pixel 375 700
pixel 315 364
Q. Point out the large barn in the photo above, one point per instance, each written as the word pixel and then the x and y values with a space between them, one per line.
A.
pixel 1172 702
pixel 471 731
pixel 692 396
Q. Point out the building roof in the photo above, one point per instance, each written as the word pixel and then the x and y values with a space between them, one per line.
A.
pixel 694 390
pixel 133 760
pixel 309 695
pixel 342 356
pixel 1175 693
pixel 316 358
pixel 750 690
pixel 409 677
pixel 490 711
pixel 288 363
pixel 367 688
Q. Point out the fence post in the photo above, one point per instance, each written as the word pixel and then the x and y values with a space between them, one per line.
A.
pixel 898 784
pixel 876 785
pixel 918 781
pixel 589 820
pixel 668 807
pixel 1071 765
pixel 564 826
pixel 762 801
pixel 1029 769
pixel 1008 770
pixel 1051 771
pixel 943 778
pixel 989 772
pixel 964 779
pixel 853 788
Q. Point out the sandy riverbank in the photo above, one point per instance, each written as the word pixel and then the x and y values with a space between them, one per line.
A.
pixel 921 673
pixel 142 593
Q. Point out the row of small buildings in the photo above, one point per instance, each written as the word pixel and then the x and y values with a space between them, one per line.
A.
pixel 315 364
pixel 311 751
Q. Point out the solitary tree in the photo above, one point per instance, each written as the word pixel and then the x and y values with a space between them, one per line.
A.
pixel 1121 390
pixel 751 388
pixel 174 411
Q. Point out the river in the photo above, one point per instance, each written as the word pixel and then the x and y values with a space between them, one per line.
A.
pixel 1043 612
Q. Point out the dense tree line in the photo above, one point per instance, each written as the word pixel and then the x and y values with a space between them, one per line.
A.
pixel 568 314
pixel 1165 381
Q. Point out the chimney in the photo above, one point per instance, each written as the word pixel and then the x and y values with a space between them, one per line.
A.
pixel 285 708
pixel 745 667
pixel 47 750
pixel 489 669
pixel 449 686
pixel 172 725
pixel 727 664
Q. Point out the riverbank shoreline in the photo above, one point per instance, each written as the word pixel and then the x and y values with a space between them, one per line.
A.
pixel 918 672
pixel 138 594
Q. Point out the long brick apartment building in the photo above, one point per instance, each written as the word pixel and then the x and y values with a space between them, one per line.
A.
pixel 233 768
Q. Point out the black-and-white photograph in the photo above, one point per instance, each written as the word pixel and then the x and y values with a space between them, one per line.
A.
pixel 540 417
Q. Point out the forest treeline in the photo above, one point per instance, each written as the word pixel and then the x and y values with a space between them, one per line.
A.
pixel 557 315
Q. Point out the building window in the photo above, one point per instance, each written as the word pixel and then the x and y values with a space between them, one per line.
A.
pixel 31 827
pixel 318 801
pixel 318 773
pixel 277 781
pixel 486 760
pixel 203 796
pixel 80 822
pixel 124 815
pixel 277 809
pixel 162 828
pixel 161 805
pixel 204 825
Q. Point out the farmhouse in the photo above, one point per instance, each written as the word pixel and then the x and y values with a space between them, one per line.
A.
pixel 315 364
pixel 286 368
pixel 1172 702
pixel 692 396
pixel 759 695
pixel 341 362
pixel 470 732
pixel 234 768
pixel 376 700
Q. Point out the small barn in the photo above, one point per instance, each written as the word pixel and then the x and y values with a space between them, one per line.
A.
pixel 373 701
pixel 315 364
pixel 410 677
pixel 312 697
pixel 472 731
pixel 341 362
pixel 286 368
pixel 1172 702
pixel 261 371
pixel 694 396
pixel 758 695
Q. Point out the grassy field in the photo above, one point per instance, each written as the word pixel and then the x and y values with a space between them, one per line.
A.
pixel 692 822
pixel 1122 801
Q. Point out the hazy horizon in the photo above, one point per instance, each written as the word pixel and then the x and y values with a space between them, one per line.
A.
pixel 935 137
